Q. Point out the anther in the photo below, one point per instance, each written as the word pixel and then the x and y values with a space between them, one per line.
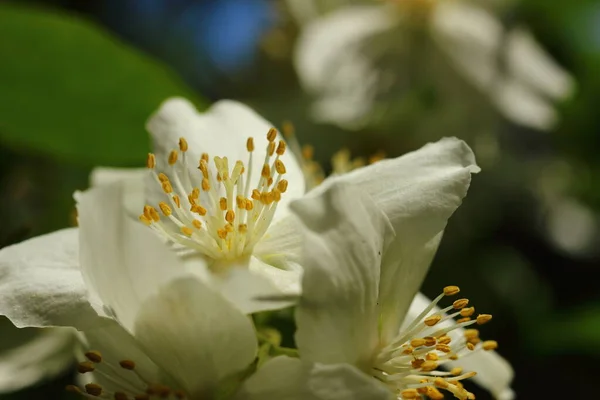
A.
pixel 86 366
pixel 94 389
pixel 272 134
pixel 308 152
pixel 127 364
pixel 490 345
pixel 451 290
pixel 230 216
pixel 429 366
pixel 467 312
pixel 250 144
pixel 166 187
pixel 150 161
pixel 434 394
pixel 94 356
pixel 163 178
pixel 483 318
pixel 432 320
pixel 249 205
pixel 470 346
pixel 282 185
pixel 183 144
pixel 471 333
pixel 430 341
pixel 255 194
pixel 243 228
pixel 144 220
pixel 280 167
pixel 266 171
pixel 444 340
pixel 441 383
pixel 166 210
pixel 204 157
pixel 187 231
pixel 223 203
pixel 173 157
pixel 461 320
pixel 281 148
pixel 456 371
pixel 197 223
pixel 205 185
pixel 460 303
pixel 271 148
pixel 177 201
pixel 416 363
pixel 409 394
pixel 417 342
pixel 431 357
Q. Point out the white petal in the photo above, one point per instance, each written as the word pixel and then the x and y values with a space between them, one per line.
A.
pixel 418 192
pixel 115 344
pixel 194 333
pixel 222 131
pixel 331 64
pixel 344 239
pixel 345 382
pixel 287 281
pixel 28 355
pixel 134 196
pixel 282 378
pixel 41 284
pixel 122 261
pixel 494 373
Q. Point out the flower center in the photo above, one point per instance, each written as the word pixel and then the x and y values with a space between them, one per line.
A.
pixel 216 211
pixel 126 382
pixel 409 363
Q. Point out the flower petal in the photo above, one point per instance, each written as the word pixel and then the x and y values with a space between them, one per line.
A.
pixel 222 131
pixel 418 192
pixel 134 196
pixel 28 355
pixel 494 373
pixel 331 64
pixel 122 261
pixel 41 284
pixel 345 382
pixel 344 239
pixel 195 334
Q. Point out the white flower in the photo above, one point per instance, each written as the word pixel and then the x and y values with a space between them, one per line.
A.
pixel 356 336
pixel 356 57
pixel 157 328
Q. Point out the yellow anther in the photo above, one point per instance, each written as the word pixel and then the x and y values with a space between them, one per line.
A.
pixel 460 303
pixel 431 357
pixel 471 333
pixel 228 228
pixel 441 383
pixel 230 216
pixel 269 198
pixel 490 345
pixel 173 157
pixel 461 320
pixel 72 389
pixel 272 134
pixel 242 228
pixel 163 178
pixel 308 152
pixel 483 318
pixel 197 223
pixel 94 389
pixel 416 363
pixel 432 320
pixel 276 195
pixel 279 167
pixel 408 350
pixel 150 161
pixel 166 210
pixel 203 167
pixel 430 341
pixel 444 339
pixel 417 342
pixel 444 348
pixel 434 394
pixel 183 144
pixel 94 356
pixel 474 340
pixel 266 171
pixel 166 187
pixel 453 357
pixel 429 366
pixel 86 366
pixel 195 193
pixel 250 144
pixel 186 231
pixel 240 201
pixel 451 290
pixel 470 346
pixel 282 185
pixel 223 203
pixel 281 148
pixel 222 233
pixel 255 194
pixel 456 371
pixel 154 214
pixel 198 209
pixel 127 364
pixel 177 201
pixel 269 181
pixel 287 128
pixel 144 220
pixel 249 205
pixel 205 185
pixel 409 394
pixel 271 148
pixel 467 312
pixel 191 200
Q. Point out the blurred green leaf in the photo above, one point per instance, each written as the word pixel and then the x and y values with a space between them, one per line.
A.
pixel 71 90
pixel 575 331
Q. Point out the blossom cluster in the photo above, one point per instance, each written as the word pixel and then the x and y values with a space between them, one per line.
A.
pixel 169 263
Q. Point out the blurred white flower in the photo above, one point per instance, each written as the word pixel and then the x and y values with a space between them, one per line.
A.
pixel 354 55
pixel 356 337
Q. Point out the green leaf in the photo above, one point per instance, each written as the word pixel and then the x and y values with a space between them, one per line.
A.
pixel 73 91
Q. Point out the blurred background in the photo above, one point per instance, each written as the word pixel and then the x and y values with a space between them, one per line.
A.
pixel 516 79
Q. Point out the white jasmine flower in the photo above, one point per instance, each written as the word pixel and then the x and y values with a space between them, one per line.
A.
pixel 355 55
pixel 355 337
pixel 158 331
